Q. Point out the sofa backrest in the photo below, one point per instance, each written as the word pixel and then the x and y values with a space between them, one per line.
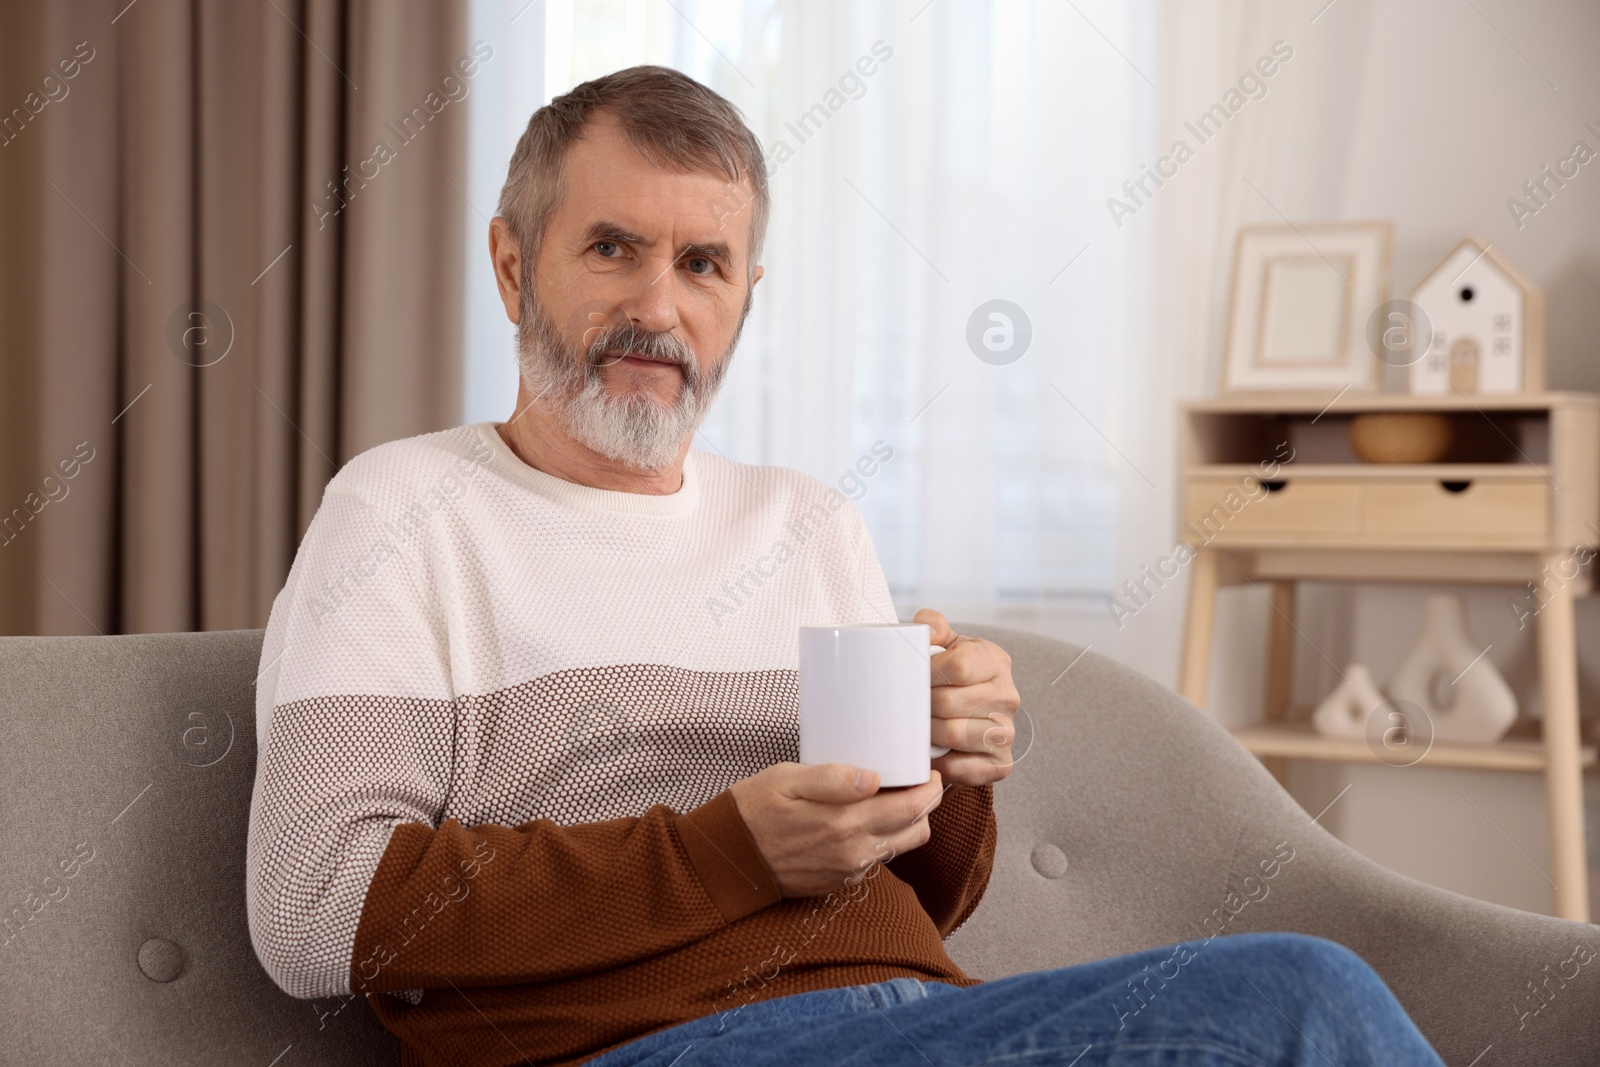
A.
pixel 126 768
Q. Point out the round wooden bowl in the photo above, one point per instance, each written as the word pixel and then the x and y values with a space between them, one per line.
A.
pixel 1401 436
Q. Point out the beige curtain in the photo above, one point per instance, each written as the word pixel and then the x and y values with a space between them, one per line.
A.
pixel 195 332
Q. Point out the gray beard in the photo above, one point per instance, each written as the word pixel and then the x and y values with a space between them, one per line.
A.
pixel 634 429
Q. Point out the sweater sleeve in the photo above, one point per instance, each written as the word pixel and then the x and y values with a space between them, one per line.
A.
pixel 355 881
pixel 495 905
pixel 951 871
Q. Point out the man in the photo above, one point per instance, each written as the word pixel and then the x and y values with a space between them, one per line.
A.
pixel 520 788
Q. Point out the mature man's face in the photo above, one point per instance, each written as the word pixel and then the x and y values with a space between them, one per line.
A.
pixel 640 290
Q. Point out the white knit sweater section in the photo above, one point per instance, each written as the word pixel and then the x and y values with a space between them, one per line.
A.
pixel 464 636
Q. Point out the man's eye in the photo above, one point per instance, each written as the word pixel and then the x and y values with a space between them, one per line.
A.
pixel 608 248
pixel 700 265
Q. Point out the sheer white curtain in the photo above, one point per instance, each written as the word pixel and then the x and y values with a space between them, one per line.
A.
pixel 1284 155
pixel 927 158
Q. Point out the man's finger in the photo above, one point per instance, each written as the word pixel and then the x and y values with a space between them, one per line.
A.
pixel 969 661
pixel 926 796
pixel 939 632
pixel 990 734
pixel 831 783
pixel 975 768
pixel 973 701
pixel 897 808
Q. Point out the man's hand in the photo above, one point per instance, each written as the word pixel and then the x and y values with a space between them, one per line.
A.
pixel 973 704
pixel 818 825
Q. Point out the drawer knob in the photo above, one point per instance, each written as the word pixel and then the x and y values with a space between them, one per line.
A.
pixel 1455 487
pixel 1273 486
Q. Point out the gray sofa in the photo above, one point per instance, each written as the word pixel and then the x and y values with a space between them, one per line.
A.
pixel 1131 820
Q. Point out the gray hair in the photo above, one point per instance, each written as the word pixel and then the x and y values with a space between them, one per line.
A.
pixel 672 120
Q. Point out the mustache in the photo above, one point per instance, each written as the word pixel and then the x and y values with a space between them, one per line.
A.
pixel 629 338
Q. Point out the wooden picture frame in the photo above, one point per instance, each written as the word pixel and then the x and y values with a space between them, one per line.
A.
pixel 1298 306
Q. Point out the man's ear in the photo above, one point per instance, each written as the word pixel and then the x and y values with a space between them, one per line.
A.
pixel 756 277
pixel 507 263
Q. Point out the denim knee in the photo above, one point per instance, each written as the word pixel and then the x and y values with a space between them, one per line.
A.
pixel 1308 951
pixel 1300 965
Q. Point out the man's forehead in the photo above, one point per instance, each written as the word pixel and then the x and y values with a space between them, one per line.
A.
pixel 610 180
pixel 643 207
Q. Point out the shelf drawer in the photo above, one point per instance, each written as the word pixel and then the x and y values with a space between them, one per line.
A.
pixel 1298 508
pixel 1424 508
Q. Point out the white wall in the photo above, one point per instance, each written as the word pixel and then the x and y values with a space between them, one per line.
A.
pixel 1449 122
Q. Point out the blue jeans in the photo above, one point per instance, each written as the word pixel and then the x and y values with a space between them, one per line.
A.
pixel 1246 1000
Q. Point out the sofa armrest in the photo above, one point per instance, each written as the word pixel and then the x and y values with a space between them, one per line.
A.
pixel 1133 820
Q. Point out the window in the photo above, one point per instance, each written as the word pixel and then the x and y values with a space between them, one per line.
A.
pixel 926 159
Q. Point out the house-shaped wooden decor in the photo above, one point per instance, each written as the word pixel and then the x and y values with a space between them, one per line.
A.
pixel 1487 322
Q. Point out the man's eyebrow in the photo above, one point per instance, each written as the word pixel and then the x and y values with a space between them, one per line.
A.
pixel 604 230
pixel 714 250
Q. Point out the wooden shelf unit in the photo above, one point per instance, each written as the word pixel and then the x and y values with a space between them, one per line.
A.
pixel 1516 495
pixel 1297 740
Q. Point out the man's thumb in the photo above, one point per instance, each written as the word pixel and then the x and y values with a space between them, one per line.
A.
pixel 834 783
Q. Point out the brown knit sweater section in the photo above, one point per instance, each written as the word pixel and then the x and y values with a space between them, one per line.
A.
pixel 551 944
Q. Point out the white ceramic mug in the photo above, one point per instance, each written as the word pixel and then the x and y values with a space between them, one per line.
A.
pixel 866 699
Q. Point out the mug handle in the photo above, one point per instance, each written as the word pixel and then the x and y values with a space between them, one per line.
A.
pixel 935 751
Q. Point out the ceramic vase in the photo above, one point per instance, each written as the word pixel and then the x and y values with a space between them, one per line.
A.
pixel 1447 676
pixel 1345 711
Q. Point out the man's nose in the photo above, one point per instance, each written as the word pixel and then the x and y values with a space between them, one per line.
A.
pixel 652 302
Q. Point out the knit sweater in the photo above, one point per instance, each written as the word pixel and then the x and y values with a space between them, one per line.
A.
pixel 497 719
